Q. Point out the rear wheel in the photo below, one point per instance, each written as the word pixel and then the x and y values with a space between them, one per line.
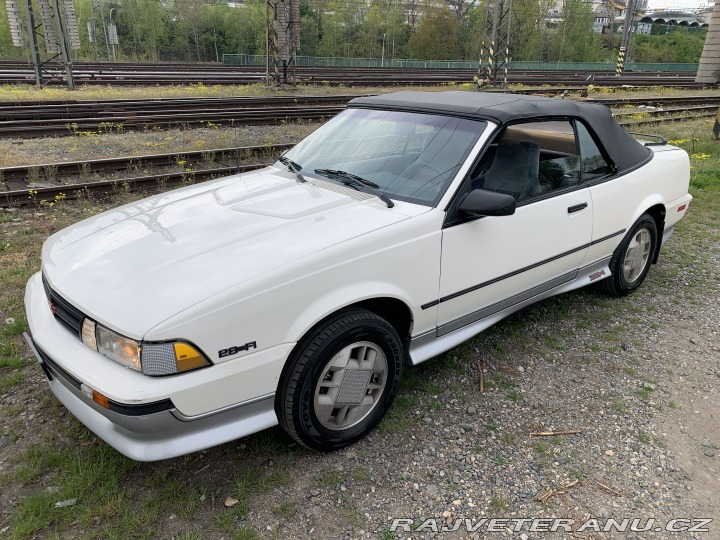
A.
pixel 632 259
pixel 341 380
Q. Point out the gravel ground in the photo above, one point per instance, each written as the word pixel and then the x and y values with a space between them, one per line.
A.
pixel 635 380
pixel 14 152
pixel 636 377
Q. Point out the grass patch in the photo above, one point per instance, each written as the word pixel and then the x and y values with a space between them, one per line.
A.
pixel 286 510
pixel 401 416
pixel 329 480
pixel 498 503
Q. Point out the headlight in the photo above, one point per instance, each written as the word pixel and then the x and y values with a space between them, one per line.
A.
pixel 149 358
pixel 116 347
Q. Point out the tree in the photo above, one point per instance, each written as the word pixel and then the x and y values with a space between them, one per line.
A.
pixel 437 35
pixel 677 46
pixel 528 32
pixel 709 69
pixel 461 7
pixel 574 40
pixel 188 24
pixel 143 25
pixel 244 29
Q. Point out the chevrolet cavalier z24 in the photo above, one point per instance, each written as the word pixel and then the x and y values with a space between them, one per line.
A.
pixel 296 294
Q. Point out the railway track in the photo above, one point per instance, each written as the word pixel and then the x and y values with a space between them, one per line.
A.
pixel 47 182
pixel 66 118
pixel 32 184
pixel 56 118
pixel 119 73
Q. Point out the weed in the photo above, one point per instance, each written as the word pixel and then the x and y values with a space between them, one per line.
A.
pixel 618 405
pixel 246 533
pixel 542 448
pixel 498 503
pixel 508 438
pixel 285 510
pixel 400 417
pixel 329 479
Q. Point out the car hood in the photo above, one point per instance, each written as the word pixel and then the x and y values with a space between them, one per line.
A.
pixel 134 267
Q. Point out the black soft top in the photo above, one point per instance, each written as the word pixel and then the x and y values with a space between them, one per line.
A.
pixel 623 150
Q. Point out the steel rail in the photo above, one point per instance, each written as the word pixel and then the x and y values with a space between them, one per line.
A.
pixel 128 73
pixel 81 168
pixel 23 196
pixel 264 116
pixel 156 181
pixel 35 119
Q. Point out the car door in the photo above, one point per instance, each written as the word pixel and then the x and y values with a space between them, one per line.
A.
pixel 491 263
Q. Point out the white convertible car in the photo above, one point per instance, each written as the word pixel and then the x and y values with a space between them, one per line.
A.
pixel 295 294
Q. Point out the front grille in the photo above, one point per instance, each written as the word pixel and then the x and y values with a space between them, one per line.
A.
pixel 65 313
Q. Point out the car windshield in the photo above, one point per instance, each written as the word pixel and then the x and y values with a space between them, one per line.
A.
pixel 410 156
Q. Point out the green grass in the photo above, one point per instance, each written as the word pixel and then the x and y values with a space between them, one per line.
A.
pixel 401 416
pixel 361 475
pixel 329 479
pixel 286 510
pixel 499 461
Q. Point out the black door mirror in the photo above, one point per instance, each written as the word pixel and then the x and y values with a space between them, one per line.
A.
pixel 481 202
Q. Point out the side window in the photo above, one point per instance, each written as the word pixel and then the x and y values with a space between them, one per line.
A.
pixel 530 159
pixel 593 164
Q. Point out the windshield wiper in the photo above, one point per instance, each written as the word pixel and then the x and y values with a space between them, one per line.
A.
pixel 358 182
pixel 294 168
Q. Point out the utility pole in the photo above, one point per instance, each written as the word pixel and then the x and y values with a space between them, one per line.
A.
pixel 99 31
pixel 495 49
pixel 49 32
pixel 626 36
pixel 282 23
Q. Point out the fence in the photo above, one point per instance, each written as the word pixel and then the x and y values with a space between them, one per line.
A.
pixel 320 61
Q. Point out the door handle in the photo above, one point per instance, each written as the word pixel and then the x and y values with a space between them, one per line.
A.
pixel 577 207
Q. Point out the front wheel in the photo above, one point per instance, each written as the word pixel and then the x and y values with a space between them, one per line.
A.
pixel 340 381
pixel 631 260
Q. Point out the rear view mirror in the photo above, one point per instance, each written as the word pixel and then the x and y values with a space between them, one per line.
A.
pixel 481 202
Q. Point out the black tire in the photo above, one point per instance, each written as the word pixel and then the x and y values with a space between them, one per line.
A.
pixel 309 381
pixel 640 244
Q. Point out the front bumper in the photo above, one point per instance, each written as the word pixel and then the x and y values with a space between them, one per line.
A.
pixel 153 418
pixel 154 431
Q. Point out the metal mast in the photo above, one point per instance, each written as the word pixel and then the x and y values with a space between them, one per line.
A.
pixel 495 49
pixel 98 30
pixel 628 29
pixel 51 31
pixel 282 20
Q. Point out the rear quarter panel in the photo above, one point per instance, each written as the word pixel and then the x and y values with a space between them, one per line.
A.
pixel 619 202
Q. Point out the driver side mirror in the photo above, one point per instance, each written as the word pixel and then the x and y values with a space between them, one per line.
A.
pixel 481 202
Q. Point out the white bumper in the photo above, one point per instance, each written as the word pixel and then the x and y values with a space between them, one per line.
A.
pixel 152 418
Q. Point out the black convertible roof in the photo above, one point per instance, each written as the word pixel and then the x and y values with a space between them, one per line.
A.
pixel 625 151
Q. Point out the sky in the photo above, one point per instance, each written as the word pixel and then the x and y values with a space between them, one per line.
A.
pixel 664 5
